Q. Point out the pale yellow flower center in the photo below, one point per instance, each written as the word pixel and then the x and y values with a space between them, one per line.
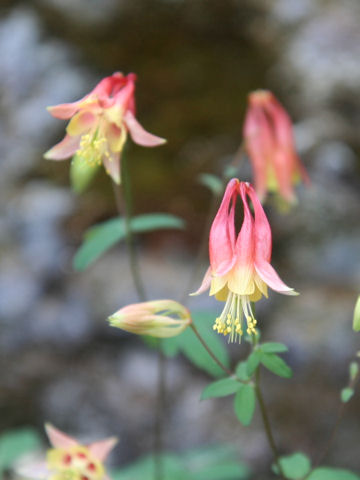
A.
pixel 93 147
pixel 74 463
pixel 230 322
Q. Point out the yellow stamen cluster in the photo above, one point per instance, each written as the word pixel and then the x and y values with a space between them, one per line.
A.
pixel 93 148
pixel 231 319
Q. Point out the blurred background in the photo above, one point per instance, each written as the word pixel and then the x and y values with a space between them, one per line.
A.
pixel 196 61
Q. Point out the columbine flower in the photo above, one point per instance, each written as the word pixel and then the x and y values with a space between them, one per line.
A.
pixel 69 460
pixel 269 143
pixel 240 269
pixel 100 123
pixel 158 318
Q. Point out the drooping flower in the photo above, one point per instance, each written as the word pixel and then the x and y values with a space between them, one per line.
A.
pixel 70 460
pixel 240 270
pixel 269 142
pixel 100 123
pixel 158 318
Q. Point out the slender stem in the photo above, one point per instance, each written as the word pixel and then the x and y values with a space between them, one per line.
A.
pixel 210 352
pixel 259 396
pixel 160 409
pixel 266 421
pixel 214 203
pixel 202 249
pixel 123 203
pixel 339 416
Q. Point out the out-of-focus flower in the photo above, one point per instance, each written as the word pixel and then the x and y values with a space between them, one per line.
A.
pixel 69 460
pixel 100 123
pixel 240 269
pixel 269 142
pixel 158 318
pixel 356 321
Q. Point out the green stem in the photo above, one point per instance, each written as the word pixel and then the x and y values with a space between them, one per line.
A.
pixel 124 204
pixel 266 422
pixel 214 204
pixel 210 352
pixel 259 396
pixel 160 409
pixel 202 249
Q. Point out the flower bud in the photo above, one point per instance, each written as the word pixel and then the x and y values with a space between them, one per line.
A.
pixel 158 318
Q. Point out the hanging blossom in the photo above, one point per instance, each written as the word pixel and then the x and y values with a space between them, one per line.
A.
pixel 240 270
pixel 100 123
pixel 269 142
pixel 70 460
pixel 158 318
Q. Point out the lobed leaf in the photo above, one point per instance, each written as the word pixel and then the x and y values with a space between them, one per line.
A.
pixel 192 348
pixel 273 347
pixel 241 371
pixel 15 443
pixel 98 239
pixel 253 361
pixel 295 466
pixel 328 473
pixel 276 365
pixel 244 404
pixel 221 388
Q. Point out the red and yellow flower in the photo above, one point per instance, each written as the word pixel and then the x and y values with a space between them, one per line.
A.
pixel 240 271
pixel 269 142
pixel 100 123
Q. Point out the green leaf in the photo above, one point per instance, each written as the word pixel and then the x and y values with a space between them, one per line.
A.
pixel 191 347
pixel 346 394
pixel 15 443
pixel 294 466
pixel 276 365
pixel 144 469
pixel 81 173
pixel 170 346
pixel 328 473
pixel 273 347
pixel 100 238
pixel 253 362
pixel 244 404
pixel 217 462
pixel 225 471
pixel 241 371
pixel 212 182
pixel 221 388
pixel 356 321
pixel 353 370
pixel 210 455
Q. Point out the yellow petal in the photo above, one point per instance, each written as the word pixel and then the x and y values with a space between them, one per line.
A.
pixel 81 123
pixel 241 280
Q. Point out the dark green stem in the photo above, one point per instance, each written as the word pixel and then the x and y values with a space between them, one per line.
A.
pixel 214 204
pixel 202 249
pixel 259 396
pixel 160 410
pixel 266 422
pixel 124 205
pixel 210 352
pixel 123 202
